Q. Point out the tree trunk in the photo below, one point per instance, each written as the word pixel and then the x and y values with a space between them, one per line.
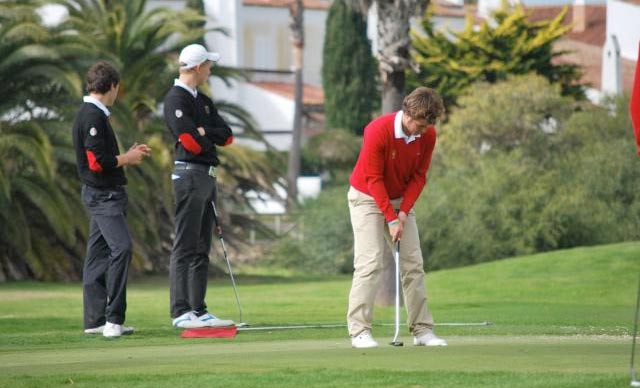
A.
pixel 296 9
pixel 393 92
pixel 393 49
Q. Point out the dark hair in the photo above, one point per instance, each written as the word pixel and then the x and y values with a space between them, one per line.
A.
pixel 101 76
pixel 423 103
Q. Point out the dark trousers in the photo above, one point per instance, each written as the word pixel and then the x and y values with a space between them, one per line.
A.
pixel 193 191
pixel 109 250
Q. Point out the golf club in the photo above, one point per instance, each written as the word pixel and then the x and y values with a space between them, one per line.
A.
pixel 634 377
pixel 396 258
pixel 226 257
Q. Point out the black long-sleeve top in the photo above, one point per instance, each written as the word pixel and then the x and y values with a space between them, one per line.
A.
pixel 183 114
pixel 96 148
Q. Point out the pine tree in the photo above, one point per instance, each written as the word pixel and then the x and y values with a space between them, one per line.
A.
pixel 450 63
pixel 348 70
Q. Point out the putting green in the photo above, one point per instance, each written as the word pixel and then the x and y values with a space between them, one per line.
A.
pixel 587 354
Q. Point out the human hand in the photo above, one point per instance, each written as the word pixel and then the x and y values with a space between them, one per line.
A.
pixel 142 147
pixel 402 216
pixel 201 131
pixel 395 230
pixel 135 155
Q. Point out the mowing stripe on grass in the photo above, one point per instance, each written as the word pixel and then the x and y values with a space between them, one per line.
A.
pixel 575 354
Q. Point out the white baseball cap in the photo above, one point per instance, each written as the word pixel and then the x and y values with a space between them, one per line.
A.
pixel 194 55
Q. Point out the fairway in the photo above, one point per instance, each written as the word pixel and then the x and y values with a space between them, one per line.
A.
pixel 560 319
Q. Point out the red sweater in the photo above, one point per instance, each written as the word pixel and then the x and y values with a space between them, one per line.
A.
pixel 388 168
pixel 634 104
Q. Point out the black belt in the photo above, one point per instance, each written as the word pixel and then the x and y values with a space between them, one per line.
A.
pixel 211 170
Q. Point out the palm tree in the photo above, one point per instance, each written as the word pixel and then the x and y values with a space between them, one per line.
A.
pixel 30 60
pixel 38 225
pixel 296 11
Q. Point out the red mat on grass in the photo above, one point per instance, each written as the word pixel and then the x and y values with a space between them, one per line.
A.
pixel 210 332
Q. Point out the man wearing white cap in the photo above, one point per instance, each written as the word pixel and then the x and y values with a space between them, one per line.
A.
pixel 197 129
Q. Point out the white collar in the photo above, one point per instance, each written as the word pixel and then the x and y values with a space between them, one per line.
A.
pixel 98 103
pixel 398 132
pixel 177 82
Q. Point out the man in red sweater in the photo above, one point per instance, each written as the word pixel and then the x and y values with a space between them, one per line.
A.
pixel 386 182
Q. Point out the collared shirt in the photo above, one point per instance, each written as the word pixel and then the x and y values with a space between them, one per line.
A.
pixel 194 92
pixel 398 132
pixel 98 103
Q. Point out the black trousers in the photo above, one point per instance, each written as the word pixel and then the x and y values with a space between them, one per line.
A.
pixel 188 271
pixel 109 250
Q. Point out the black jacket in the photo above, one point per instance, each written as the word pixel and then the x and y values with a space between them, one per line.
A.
pixel 96 148
pixel 184 114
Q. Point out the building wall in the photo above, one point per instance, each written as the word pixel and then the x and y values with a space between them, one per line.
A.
pixel 260 38
pixel 623 23
pixel 272 113
pixel 226 14
pixel 623 20
pixel 267 40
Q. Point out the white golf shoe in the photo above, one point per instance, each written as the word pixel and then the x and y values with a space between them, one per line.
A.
pixel 210 320
pixel 188 321
pixel 113 330
pixel 94 330
pixel 363 340
pixel 100 330
pixel 429 339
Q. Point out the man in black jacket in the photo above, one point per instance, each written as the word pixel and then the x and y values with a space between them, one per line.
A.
pixel 99 164
pixel 197 129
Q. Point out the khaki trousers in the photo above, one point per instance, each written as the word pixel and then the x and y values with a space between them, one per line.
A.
pixel 371 233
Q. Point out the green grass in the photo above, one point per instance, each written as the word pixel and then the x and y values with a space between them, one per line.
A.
pixel 560 319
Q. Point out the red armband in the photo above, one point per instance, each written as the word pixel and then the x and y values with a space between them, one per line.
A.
pixel 190 144
pixel 94 165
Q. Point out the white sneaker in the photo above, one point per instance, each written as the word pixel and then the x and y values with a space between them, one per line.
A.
pixel 429 339
pixel 94 330
pixel 188 321
pixel 363 340
pixel 211 320
pixel 113 330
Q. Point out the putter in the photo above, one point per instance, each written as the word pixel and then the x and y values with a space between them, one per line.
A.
pixel 226 257
pixel 634 377
pixel 396 258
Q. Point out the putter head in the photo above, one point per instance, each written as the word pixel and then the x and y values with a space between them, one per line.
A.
pixel 242 324
pixel 396 343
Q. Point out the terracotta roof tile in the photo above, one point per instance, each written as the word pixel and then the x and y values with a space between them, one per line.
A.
pixel 310 4
pixel 311 95
pixel 589 58
pixel 596 27
pixel 441 8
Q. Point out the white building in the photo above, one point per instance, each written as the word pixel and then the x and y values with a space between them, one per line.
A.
pixel 620 51
pixel 259 41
